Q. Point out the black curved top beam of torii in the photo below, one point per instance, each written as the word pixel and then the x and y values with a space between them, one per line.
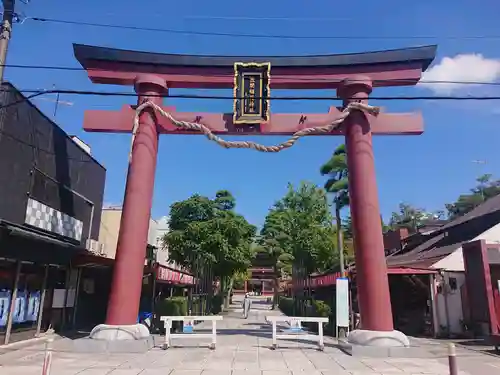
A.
pixel 423 55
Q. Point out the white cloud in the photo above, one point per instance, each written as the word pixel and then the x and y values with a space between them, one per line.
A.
pixel 461 68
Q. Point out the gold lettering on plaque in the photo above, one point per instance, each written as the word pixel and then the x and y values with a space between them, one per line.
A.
pixel 251 92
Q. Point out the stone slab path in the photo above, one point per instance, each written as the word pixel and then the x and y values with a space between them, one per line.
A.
pixel 243 349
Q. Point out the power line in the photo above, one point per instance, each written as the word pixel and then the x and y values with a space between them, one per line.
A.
pixel 25 99
pixel 261 36
pixel 242 18
pixel 292 19
pixel 305 79
pixel 36 93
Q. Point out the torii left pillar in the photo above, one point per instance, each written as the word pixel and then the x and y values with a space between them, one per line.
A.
pixel 121 319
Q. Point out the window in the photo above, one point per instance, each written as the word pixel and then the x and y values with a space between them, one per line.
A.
pixel 453 283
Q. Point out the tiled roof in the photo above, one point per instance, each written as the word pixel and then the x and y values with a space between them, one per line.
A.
pixel 491 205
pixel 450 237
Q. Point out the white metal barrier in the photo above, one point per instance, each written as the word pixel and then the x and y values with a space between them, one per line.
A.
pixel 296 328
pixel 167 322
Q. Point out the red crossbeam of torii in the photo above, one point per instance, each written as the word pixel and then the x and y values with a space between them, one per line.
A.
pixel 353 76
pixel 222 123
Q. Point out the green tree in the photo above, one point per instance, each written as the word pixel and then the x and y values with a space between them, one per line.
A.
pixel 347 227
pixel 274 241
pixel 240 278
pixel 385 227
pixel 408 217
pixel 307 224
pixel 485 189
pixel 210 232
pixel 338 186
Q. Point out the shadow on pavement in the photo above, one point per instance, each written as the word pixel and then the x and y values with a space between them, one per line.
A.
pixel 267 335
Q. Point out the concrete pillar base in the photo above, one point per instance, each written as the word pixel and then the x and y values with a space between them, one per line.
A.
pixel 384 339
pixel 119 332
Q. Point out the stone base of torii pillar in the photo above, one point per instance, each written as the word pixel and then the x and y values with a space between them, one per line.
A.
pixel 378 338
pixel 120 332
pixel 107 338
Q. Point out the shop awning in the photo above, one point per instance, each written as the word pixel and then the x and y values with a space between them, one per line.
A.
pixel 172 276
pixel 25 243
pixel 331 278
pixel 410 271
pixel 87 259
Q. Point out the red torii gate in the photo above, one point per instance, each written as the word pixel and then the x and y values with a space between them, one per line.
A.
pixel 353 75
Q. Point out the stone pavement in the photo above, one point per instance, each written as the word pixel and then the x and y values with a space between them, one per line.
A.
pixel 243 349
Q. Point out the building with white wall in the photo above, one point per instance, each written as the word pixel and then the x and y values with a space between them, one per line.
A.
pixel 441 251
pixel 161 229
pixel 110 227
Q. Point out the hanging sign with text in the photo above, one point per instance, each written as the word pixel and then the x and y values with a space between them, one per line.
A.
pixel 251 93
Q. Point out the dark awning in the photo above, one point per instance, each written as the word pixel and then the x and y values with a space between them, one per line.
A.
pixel 23 243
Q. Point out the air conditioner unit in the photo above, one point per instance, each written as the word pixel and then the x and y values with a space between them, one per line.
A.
pixel 92 246
pixel 102 249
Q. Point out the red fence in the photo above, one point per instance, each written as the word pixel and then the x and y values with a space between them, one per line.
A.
pixel 317 281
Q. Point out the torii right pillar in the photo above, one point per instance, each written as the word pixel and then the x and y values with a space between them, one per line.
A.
pixel 377 328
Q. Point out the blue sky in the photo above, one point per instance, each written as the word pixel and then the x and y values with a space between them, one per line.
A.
pixel 427 170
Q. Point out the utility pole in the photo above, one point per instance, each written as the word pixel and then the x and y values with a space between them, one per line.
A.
pixel 6 31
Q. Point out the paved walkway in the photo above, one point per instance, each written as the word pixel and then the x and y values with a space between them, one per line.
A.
pixel 243 349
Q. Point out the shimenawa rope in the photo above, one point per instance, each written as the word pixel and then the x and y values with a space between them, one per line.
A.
pixel 249 144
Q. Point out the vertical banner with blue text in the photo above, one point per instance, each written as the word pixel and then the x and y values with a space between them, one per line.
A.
pixel 5 297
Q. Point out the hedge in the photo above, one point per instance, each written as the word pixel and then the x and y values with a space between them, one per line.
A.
pixel 172 306
pixel 321 308
pixel 285 304
pixel 314 307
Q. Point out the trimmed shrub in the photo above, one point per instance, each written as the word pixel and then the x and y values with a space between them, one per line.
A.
pixel 172 306
pixel 320 309
pixel 312 308
pixel 286 305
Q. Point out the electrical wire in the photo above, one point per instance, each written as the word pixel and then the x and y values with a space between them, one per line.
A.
pixel 261 36
pixel 305 79
pixel 37 93
pixel 245 18
pixel 22 100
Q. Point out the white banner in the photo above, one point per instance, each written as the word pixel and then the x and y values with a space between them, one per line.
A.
pixel 342 302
